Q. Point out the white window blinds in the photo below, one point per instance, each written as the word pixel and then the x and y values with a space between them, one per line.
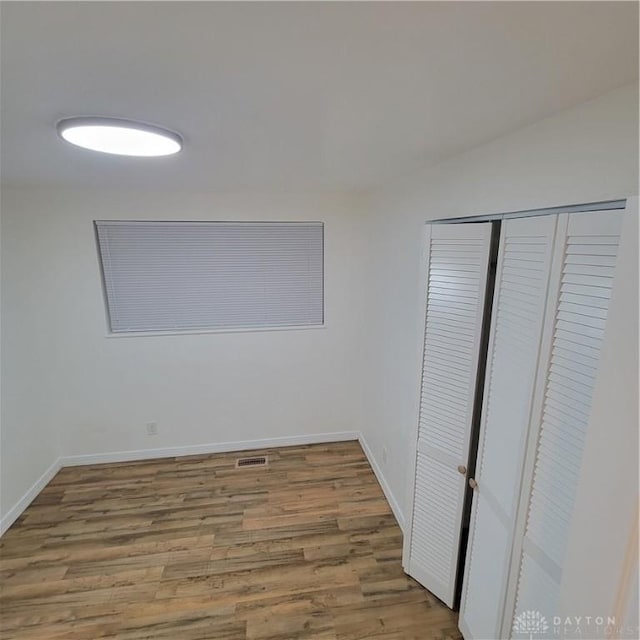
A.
pixel 180 276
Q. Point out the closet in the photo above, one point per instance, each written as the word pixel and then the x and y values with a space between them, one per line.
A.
pixel 515 315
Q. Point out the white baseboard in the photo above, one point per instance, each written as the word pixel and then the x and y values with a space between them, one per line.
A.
pixel 386 489
pixel 16 511
pixel 212 447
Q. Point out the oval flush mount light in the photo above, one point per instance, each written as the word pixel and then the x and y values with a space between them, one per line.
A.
pixel 119 136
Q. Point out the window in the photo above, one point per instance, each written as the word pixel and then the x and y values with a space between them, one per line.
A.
pixel 189 276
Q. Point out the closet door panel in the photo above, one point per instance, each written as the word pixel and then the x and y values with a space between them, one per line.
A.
pixel 566 380
pixel 456 274
pixel 522 278
pixel 527 252
pixel 490 533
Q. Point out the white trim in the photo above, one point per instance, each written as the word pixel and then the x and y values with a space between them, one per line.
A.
pixel 211 447
pixel 386 489
pixel 199 332
pixel 16 511
pixel 603 205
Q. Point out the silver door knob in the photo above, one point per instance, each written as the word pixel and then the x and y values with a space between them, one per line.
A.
pixel 462 469
pixel 473 484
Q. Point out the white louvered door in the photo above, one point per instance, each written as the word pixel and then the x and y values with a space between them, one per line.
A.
pixel 457 265
pixel 524 266
pixel 580 292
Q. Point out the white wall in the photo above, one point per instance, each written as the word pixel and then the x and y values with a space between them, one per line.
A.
pixel 64 376
pixel 29 447
pixel 585 154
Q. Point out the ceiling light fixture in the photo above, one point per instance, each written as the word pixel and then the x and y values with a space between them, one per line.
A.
pixel 119 136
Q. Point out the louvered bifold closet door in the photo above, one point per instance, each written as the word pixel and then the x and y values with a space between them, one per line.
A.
pixel 522 279
pixel 457 265
pixel 581 290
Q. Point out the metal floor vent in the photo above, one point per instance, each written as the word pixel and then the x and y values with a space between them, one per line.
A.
pixel 254 461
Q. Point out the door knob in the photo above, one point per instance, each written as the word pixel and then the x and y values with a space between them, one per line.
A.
pixel 473 484
pixel 462 469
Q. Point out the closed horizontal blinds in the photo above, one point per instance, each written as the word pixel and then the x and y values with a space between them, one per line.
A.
pixel 166 276
pixel 586 284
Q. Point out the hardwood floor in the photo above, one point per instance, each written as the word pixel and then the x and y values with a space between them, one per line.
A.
pixel 193 548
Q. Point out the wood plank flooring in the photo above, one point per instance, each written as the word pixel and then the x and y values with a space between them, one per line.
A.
pixel 192 548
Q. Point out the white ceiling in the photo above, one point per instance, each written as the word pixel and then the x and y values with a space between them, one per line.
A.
pixel 295 95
